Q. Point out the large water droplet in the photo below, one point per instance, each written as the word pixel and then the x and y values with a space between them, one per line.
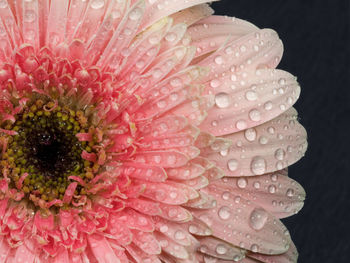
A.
pixel 241 124
pixel 254 248
pixel 219 60
pixel 232 165
pixel 251 95
pixel 224 213
pixel 258 218
pixel 258 165
pixel 250 134
pixel 280 154
pixel 242 183
pixel 255 115
pixel 221 249
pixel 222 100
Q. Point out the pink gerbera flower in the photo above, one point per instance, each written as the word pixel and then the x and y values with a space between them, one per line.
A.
pixel 143 131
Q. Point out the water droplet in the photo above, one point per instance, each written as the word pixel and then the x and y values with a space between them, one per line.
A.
pixel 255 115
pixel 272 189
pixel 3 4
pixel 222 100
pixel 219 60
pixel 250 134
pixel 243 48
pixel 161 104
pixel 268 105
pixel 29 16
pixel 279 165
pixel 258 165
pixel 224 213
pixel 226 195
pixel 251 95
pixel 254 248
pixel 135 14
pixel 280 154
pixel 179 235
pixel 271 130
pixel 263 140
pixel 215 83
pixel 241 124
pixel 282 81
pixel 258 218
pixel 290 192
pixel 242 183
pixel 221 249
pixel 170 37
pixel 97 4
pixel 232 165
pixel 256 185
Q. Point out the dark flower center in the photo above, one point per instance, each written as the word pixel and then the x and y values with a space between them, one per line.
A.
pixel 45 152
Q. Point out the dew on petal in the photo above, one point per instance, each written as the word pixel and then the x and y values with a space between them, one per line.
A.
pixel 258 218
pixel 232 165
pixel 222 100
pixel 224 213
pixel 258 165
pixel 97 4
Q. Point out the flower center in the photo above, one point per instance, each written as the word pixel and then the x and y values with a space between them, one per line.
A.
pixel 45 151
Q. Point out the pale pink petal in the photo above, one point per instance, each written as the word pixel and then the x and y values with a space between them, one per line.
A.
pixel 102 249
pixel 174 213
pixel 211 33
pixel 4 248
pixel 147 242
pixel 220 249
pixel 145 172
pixel 123 35
pixel 174 231
pixel 187 172
pixel 165 193
pixel 30 22
pixel 25 253
pixel 192 14
pixel 253 97
pixel 112 18
pixel 291 256
pixel 266 148
pixel 76 13
pixel 56 24
pixel 165 159
pixel 171 248
pixel 143 50
pixel 255 50
pixel 140 256
pixel 162 8
pixel 243 224
pixel 277 193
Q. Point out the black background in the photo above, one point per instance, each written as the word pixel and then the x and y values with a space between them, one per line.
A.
pixel 316 35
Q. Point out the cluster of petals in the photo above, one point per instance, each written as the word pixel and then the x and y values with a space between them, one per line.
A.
pixel 202 125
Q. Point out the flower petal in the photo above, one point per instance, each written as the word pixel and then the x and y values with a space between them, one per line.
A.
pixel 211 33
pixel 220 249
pixel 25 253
pixel 291 256
pixel 102 249
pixel 243 224
pixel 162 8
pixel 192 14
pixel 277 193
pixel 266 148
pixel 253 99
